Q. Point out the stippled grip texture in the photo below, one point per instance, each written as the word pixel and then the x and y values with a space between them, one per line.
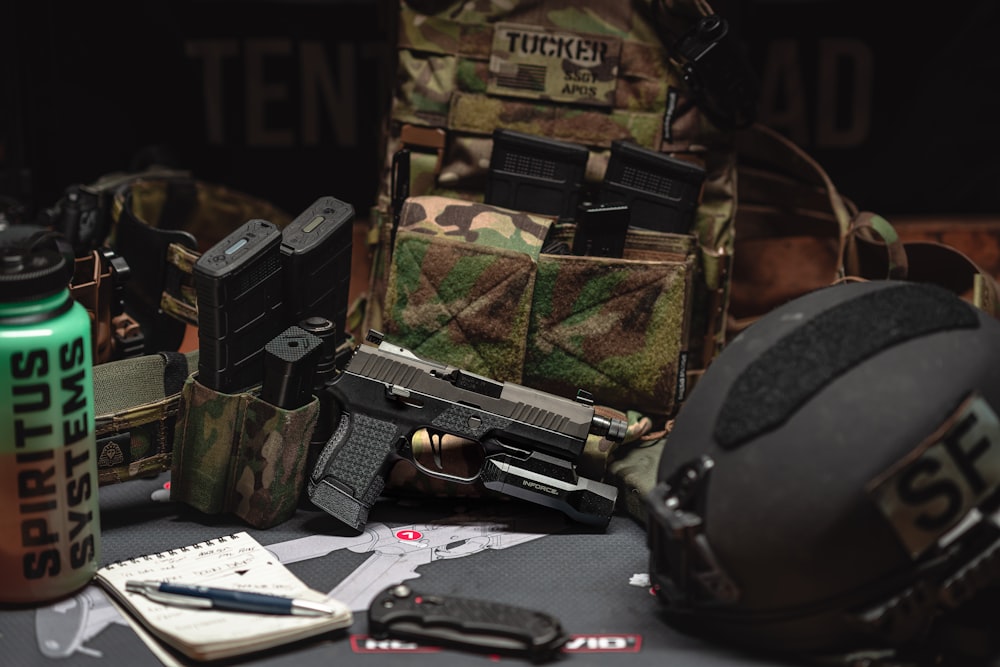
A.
pixel 354 460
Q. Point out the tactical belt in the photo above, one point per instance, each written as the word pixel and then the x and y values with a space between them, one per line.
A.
pixel 162 224
pixel 136 402
pixel 159 222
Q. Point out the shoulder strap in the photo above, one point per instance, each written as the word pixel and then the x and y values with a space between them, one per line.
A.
pixel 873 249
pixel 791 226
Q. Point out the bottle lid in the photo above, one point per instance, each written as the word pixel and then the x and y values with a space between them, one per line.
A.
pixel 31 274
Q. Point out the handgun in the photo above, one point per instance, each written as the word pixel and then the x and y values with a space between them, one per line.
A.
pixel 240 306
pixel 531 440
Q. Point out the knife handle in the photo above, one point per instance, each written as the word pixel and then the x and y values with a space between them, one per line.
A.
pixel 479 625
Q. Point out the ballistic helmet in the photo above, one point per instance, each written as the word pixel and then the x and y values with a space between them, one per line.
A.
pixel 831 483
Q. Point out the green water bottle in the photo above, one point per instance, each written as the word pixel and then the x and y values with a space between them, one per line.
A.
pixel 50 522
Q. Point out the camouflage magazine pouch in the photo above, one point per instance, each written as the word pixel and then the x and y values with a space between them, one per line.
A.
pixel 470 285
pixel 239 454
pixel 616 327
pixel 461 284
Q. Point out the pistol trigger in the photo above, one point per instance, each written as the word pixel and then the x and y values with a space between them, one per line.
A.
pixel 436 440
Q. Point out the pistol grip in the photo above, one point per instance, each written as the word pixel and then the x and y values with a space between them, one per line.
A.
pixel 351 470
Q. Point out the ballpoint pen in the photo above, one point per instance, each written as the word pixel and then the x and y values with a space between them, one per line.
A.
pixel 203 597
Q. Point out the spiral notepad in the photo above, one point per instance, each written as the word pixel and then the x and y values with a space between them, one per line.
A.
pixel 235 561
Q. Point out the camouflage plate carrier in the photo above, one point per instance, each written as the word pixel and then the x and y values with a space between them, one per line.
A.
pixel 472 286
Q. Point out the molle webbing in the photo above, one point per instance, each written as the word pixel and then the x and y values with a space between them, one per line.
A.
pixel 451 54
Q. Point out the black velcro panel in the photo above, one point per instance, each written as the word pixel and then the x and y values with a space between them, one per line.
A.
pixel 800 364
pixel 175 372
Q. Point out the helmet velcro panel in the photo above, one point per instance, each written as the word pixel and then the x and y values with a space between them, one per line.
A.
pixel 800 364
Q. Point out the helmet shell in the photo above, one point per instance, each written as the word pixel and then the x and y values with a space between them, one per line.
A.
pixel 811 511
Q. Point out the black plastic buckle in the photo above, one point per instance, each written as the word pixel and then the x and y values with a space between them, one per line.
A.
pixel 718 73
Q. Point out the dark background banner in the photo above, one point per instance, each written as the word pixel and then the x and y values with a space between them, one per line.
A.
pixel 282 98
pixel 279 99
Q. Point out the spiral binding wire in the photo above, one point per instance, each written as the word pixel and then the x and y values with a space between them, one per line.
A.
pixel 171 552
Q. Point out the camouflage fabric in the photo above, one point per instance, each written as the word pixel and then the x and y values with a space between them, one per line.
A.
pixel 615 327
pixel 207 430
pixel 270 471
pixel 461 292
pixel 795 233
pixel 235 453
pixel 215 210
pixel 634 471
pixel 467 68
pixel 463 278
pixel 790 227
pixel 180 299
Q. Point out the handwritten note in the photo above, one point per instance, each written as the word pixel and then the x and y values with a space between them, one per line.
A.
pixel 233 561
